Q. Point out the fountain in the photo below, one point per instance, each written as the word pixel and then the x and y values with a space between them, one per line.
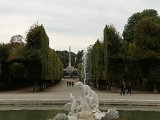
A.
pixel 87 107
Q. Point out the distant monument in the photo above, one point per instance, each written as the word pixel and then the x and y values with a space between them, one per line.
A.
pixel 69 70
pixel 69 56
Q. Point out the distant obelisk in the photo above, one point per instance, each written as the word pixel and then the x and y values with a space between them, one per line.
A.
pixel 69 56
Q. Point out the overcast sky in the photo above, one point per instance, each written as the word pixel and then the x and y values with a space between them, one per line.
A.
pixel 78 23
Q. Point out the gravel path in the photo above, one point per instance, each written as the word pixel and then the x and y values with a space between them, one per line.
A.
pixel 61 92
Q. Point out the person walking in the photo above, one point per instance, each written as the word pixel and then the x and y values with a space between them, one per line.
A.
pixel 129 87
pixel 72 83
pixel 122 89
pixel 67 83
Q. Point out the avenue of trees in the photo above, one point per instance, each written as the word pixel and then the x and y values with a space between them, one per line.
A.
pixel 29 63
pixel 134 58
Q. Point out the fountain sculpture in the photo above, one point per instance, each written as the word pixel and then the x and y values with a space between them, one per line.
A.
pixel 87 108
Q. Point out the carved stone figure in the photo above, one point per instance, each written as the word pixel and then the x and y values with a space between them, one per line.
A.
pixel 92 99
pixel 73 105
pixel 87 115
pixel 60 116
pixel 89 98
pixel 87 109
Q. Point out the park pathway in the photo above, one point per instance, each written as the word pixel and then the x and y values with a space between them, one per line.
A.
pixel 60 93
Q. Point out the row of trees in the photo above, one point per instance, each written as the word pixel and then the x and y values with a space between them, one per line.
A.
pixel 134 58
pixel 32 62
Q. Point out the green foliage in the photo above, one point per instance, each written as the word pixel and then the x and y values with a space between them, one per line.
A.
pixel 103 58
pixel 112 41
pixel 133 52
pixel 97 61
pixel 154 73
pixel 135 58
pixel 33 61
pixel 0 71
pixel 18 71
pixel 80 72
pixel 17 52
pixel 37 40
pixel 89 65
pixel 112 44
pixel 147 37
pixel 128 33
pixel 143 49
pixel 4 52
pixel 59 68
pixel 64 57
pixel 153 76
pixel 31 53
pixel 36 37
pixel 54 64
pixel 78 58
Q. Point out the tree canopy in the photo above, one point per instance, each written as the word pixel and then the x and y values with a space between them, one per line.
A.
pixel 133 58
pixel 32 62
pixel 128 33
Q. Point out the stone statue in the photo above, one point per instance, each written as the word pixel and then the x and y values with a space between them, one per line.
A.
pixel 60 116
pixel 73 105
pixel 89 98
pixel 87 108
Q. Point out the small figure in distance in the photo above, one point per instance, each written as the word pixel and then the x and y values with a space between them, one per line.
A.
pixel 129 87
pixel 67 83
pixel 122 89
pixel 72 83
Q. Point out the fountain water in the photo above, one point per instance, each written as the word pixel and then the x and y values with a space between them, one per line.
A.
pixel 87 107
pixel 84 67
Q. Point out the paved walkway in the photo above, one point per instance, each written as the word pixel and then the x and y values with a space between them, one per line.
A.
pixel 61 91
pixel 60 94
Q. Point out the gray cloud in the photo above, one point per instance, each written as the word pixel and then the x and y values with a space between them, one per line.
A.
pixel 78 23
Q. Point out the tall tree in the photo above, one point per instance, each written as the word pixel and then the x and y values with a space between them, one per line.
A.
pixel 112 43
pixel 4 51
pixel 17 39
pixel 97 62
pixel 37 40
pixel 147 36
pixel 113 65
pixel 141 34
pixel 128 33
pixel 18 71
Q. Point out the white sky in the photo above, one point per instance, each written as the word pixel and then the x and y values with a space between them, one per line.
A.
pixel 78 23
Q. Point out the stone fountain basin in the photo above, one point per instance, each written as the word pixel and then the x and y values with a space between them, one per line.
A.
pixel 46 104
